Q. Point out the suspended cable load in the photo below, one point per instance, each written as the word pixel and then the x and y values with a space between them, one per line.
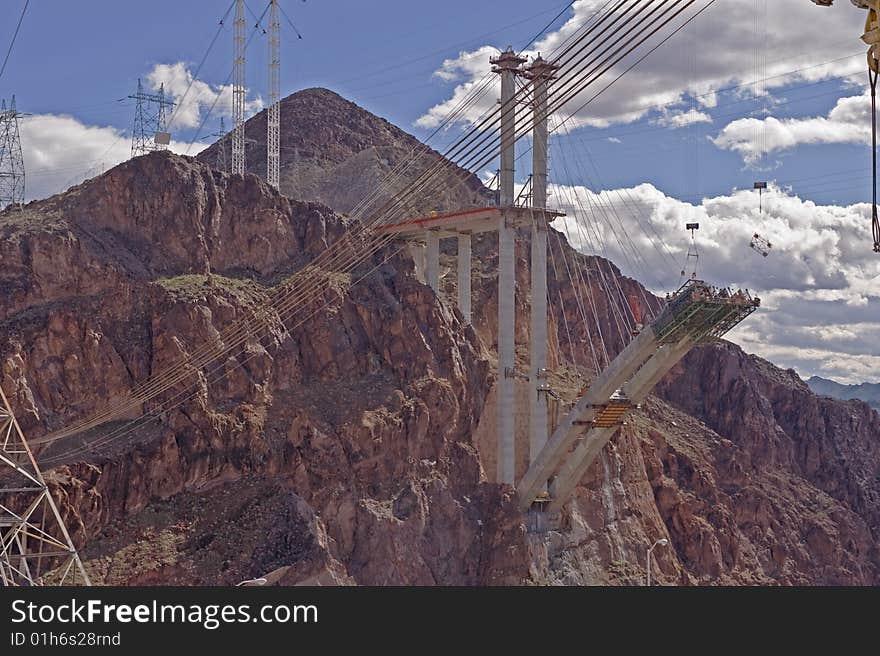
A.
pixel 760 187
pixel 693 255
pixel 871 37
pixel 760 245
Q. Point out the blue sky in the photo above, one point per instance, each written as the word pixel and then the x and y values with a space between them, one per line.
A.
pixel 81 58
pixel 678 135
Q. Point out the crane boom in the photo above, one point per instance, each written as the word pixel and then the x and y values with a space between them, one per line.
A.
pixel 871 37
pixel 872 27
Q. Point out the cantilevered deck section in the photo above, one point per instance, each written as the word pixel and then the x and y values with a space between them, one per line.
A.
pixel 697 312
pixel 470 221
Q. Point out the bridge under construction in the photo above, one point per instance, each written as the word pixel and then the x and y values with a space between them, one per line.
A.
pixel 531 92
pixel 695 313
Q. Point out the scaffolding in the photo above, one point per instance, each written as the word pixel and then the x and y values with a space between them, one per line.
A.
pixel 699 311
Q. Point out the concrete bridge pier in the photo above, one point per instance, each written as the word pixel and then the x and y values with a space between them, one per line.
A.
pixel 507 65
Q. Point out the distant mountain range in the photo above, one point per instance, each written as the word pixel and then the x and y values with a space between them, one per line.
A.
pixel 867 392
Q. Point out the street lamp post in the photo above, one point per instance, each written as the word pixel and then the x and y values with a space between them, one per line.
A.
pixel 661 542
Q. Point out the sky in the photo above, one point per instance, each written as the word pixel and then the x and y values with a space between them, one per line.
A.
pixel 750 90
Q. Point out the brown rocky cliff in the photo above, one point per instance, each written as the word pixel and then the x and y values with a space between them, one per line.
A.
pixel 348 450
pixel 363 413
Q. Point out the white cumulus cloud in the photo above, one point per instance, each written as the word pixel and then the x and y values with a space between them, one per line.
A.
pixel 848 122
pixel 60 151
pixel 681 119
pixel 820 285
pixel 201 97
pixel 718 50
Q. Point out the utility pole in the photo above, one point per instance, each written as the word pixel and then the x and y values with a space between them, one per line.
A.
pixel 150 129
pixel 34 542
pixel 11 159
pixel 238 90
pixel 273 156
pixel 508 66
pixel 541 73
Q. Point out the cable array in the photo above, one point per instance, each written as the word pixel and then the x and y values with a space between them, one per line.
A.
pixel 583 58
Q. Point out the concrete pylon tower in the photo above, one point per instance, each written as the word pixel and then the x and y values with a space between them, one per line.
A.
pixel 540 72
pixel 273 147
pixel 507 64
pixel 11 159
pixel 35 547
pixel 238 88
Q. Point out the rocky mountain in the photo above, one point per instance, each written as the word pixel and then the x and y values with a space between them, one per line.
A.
pixel 352 443
pixel 867 392
pixel 337 153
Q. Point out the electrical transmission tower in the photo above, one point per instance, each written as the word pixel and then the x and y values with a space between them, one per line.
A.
pixel 150 130
pixel 220 162
pixel 35 547
pixel 273 156
pixel 11 160
pixel 238 90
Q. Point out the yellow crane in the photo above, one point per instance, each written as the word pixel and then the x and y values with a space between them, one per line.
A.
pixel 872 38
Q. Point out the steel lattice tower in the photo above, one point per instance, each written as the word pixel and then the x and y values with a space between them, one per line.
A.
pixel 11 160
pixel 273 157
pixel 150 129
pixel 238 90
pixel 220 162
pixel 35 547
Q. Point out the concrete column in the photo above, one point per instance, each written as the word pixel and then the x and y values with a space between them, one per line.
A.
pixel 538 347
pixel 417 251
pixel 540 72
pixel 464 276
pixel 507 65
pixel 432 260
pixel 506 354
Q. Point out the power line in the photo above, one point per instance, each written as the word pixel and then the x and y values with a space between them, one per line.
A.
pixel 12 43
pixel 195 75
pixel 290 22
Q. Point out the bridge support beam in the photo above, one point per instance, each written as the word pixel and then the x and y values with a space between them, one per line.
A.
pixel 432 260
pixel 464 276
pixel 507 64
pixel 636 390
pixel 609 381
